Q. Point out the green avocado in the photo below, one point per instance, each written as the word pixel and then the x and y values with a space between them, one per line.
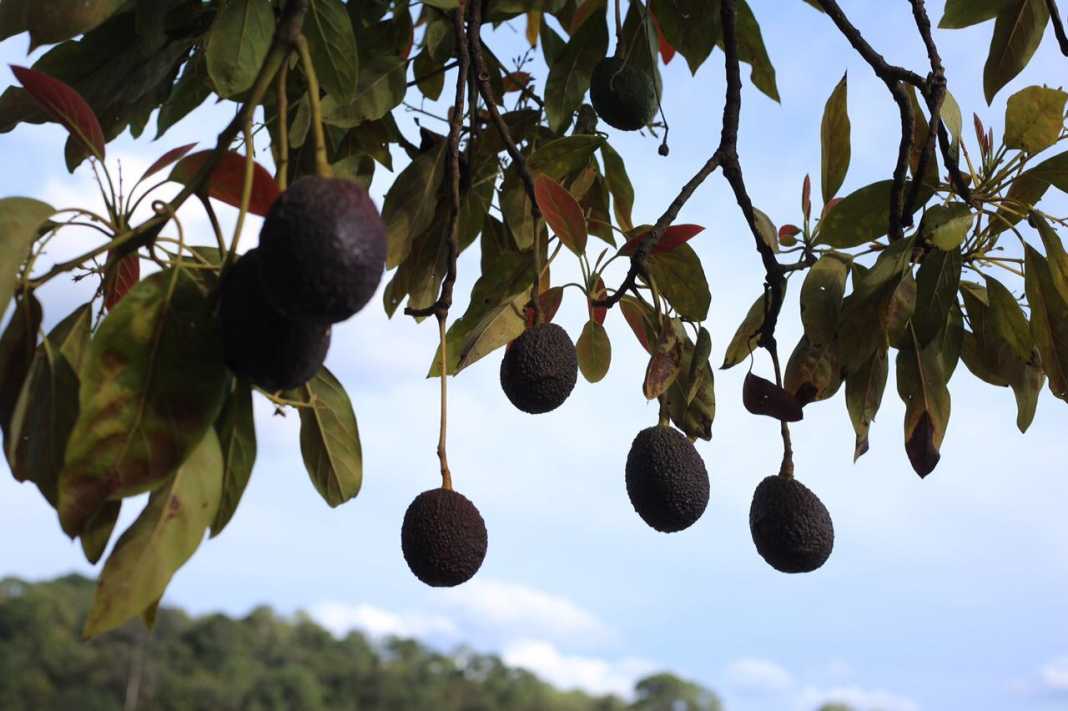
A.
pixel 791 527
pixel 260 344
pixel 623 95
pixel 666 479
pixel 324 249
pixel 443 538
pixel 539 369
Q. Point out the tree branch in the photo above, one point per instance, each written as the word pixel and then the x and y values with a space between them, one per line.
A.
pixel 440 308
pixel 1058 26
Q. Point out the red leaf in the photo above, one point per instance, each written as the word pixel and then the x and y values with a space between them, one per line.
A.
pixel 806 197
pixel 514 81
pixel 829 206
pixel 562 213
pixel 550 303
pixel 66 106
pixel 673 237
pixel 168 158
pixel 789 232
pixel 121 278
pixel 228 179
pixel 597 292
pixel 667 52
pixel 634 313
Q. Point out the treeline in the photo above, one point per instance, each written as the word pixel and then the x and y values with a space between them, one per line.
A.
pixel 262 662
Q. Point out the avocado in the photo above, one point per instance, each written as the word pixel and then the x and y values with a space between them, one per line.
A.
pixel 666 479
pixel 539 369
pixel 791 527
pixel 622 94
pixel 260 344
pixel 443 538
pixel 324 249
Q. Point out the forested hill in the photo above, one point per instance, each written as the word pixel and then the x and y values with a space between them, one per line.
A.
pixel 261 662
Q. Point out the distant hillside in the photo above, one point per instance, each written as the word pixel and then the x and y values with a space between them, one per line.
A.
pixel 262 662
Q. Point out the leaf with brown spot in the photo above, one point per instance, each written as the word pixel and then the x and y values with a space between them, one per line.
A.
pixel 813 372
pixel 152 384
pixel 160 541
pixel 664 366
pixel 921 383
pixel 864 395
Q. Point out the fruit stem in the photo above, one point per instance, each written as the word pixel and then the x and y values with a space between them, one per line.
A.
pixel 446 475
pixel 282 174
pixel 665 416
pixel 322 165
pixel 786 469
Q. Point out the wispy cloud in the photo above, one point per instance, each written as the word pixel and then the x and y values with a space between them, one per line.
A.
pixel 1054 675
pixel 340 618
pixel 592 674
pixel 750 674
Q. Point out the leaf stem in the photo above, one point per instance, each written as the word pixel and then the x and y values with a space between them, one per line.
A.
pixel 322 165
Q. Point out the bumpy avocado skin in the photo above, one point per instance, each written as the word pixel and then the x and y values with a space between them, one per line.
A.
pixel 324 249
pixel 623 95
pixel 666 479
pixel 272 351
pixel 791 527
pixel 443 538
pixel 540 368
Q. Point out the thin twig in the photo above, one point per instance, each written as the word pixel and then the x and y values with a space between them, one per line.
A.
pixel 1058 26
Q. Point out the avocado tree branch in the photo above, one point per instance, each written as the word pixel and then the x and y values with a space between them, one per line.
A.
pixel 520 163
pixel 440 308
pixel 1058 26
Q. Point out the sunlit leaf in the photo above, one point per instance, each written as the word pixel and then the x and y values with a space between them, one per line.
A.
pixel 594 351
pixel 835 140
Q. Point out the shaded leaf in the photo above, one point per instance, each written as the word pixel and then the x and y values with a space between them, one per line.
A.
pixel 763 397
pixel 921 383
pixel 1049 321
pixel 615 172
pixel 692 397
pixel 332 45
pixel 862 216
pixel 1008 319
pixel 66 106
pixel 330 439
pixel 747 336
pixel 821 297
pixel 152 384
pixel 1017 33
pixel 17 346
pixel 641 319
pixel 20 221
pixel 864 394
pixel 597 292
pixel 160 541
pixel 227 180
pixel 835 140
pixel 964 13
pixel 236 431
pixel 1055 254
pixel 167 159
pixel 813 372
pixel 570 74
pixel 594 351
pixel 237 44
pixel 412 202
pixel 121 275
pixel 94 539
pixel 562 213
pixel 679 276
pixel 936 281
pixel 690 26
pixel 946 226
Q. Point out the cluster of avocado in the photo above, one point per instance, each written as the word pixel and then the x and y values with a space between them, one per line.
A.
pixel 321 255
pixel 623 95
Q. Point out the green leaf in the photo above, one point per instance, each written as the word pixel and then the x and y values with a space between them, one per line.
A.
pixel 381 85
pixel 190 91
pixel 594 352
pixel 1017 34
pixel 17 346
pixel 237 44
pixel 332 44
pixel 679 276
pixel 821 297
pixel 946 226
pixel 692 27
pixel 835 140
pixel 160 541
pixel 864 394
pixel 60 20
pixel 954 122
pixel 20 221
pixel 937 281
pixel 237 441
pixel 47 406
pixel 747 336
pixel 1049 321
pixel 813 372
pixel 692 396
pixel 965 13
pixel 412 203
pixel 430 75
pixel 862 216
pixel 1008 319
pixel 330 439
pixel 615 172
pixel 752 51
pixel 1055 254
pixel 921 383
pixel 569 76
pixel 152 384
pixel 97 533
pixel 1034 118
pixel 769 234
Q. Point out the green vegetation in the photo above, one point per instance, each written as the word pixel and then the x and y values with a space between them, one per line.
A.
pixel 262 662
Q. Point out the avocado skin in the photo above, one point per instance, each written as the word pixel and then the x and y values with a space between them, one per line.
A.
pixel 666 479
pixel 623 95
pixel 443 538
pixel 324 249
pixel 539 369
pixel 260 344
pixel 791 527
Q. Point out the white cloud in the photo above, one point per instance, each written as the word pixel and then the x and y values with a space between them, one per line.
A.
pixel 859 698
pixel 592 674
pixel 523 609
pixel 340 617
pixel 1055 675
pixel 759 675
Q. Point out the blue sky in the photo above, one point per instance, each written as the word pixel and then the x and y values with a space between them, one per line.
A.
pixel 941 594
